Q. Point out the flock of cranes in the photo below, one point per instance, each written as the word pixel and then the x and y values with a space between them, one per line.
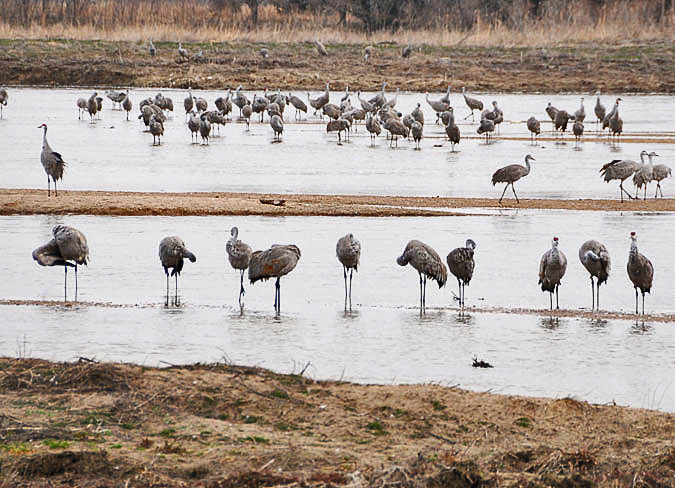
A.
pixel 69 248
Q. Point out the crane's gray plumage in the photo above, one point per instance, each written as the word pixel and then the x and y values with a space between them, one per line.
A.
pixel 277 126
pixel 318 102
pixel 560 121
pixel 472 103
pixel 259 106
pixel 68 244
pixel 99 107
pixel 299 106
pixel 580 114
pixel 606 121
pixel 275 262
pixel 379 99
pixel 417 132
pixel 600 110
pixel 551 111
pixel 151 48
pixel 193 125
pixel 338 126
pixel 644 175
pixel 595 258
pixel 182 52
pixel 552 268
pixel 116 97
pixel 437 106
pixel 534 126
pixel 510 174
pixel 417 114
pixel 487 127
pixel 332 111
pixel 201 104
pixel 240 100
pixel 320 48
pixel 264 52
pixel 621 169
pixel 660 173
pixel 365 104
pixel 451 129
pixel 373 127
pixel 172 252
pixel 239 255
pixel 616 123
pixel 406 51
pixel 461 264
pixel 391 103
pixel 92 106
pixel 395 128
pixel 204 128
pixel 640 272
pixel 578 130
pixel 81 107
pixel 126 104
pixel 427 263
pixel 246 112
pixel 52 162
pixel 188 103
pixel 348 251
pixel 446 98
pixel 4 97
pixel 156 129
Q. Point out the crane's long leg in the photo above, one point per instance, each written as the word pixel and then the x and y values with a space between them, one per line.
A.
pixel 503 193
pixel 459 287
pixel 557 303
pixel 643 303
pixel 424 296
pixel 514 193
pixel 351 273
pixel 277 285
pixel 56 193
pixel 421 301
pixel 75 282
pixel 65 281
pixel 344 271
pixel 593 293
pixel 636 301
pixel 550 296
pixel 176 299
pixel 658 185
pixel 242 292
pixel 597 302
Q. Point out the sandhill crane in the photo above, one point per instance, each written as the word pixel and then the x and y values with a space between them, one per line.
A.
pixel 417 132
pixel 126 104
pixel 395 128
pixel 348 251
pixel 497 115
pixel 264 52
pixel 406 51
pixel 608 117
pixel 640 272
pixel 621 169
pixel 156 129
pixel 551 111
pixel 595 258
pixel 4 96
pixel 273 109
pixel 446 98
pixel 367 52
pixel 246 112
pixel 52 162
pixel 417 114
pixel 99 107
pixel 116 98
pixel 172 252
pixel 486 127
pixel 338 126
pixel 68 244
pixel 193 125
pixel 437 106
pixel 240 99
pixel 188 103
pixel 580 114
pixel 275 262
pixel 365 104
pixel 472 103
pixel 616 123
pixel 534 127
pixel 216 118
pixel 151 48
pixel 182 52
pixel 461 265
pixel 332 111
pixel 379 99
pixel 452 130
pixel 578 130
pixel 259 106
pixel 201 104
pixel 81 107
pixel 204 128
pixel 428 265
pixel 239 254
pixel 320 48
pixel 92 106
pixel 600 110
pixel 660 173
pixel 510 174
pixel 373 127
pixel 146 114
pixel 277 126
pixel 552 268
pixel 560 121
pixel 299 106
pixel 408 122
pixel 391 103
pixel 353 116
pixel 644 175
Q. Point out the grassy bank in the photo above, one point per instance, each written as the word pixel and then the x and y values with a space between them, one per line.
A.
pixel 633 66
pixel 89 424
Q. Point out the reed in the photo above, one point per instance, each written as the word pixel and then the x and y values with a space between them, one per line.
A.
pixel 198 21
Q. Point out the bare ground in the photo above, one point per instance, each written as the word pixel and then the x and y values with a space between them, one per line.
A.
pixel 87 424
pixel 632 66
pixel 26 202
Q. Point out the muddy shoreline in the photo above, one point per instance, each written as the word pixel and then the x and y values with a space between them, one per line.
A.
pixel 100 424
pixel 27 202
pixel 638 67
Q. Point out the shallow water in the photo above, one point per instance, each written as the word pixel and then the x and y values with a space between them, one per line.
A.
pixel 384 340
pixel 115 154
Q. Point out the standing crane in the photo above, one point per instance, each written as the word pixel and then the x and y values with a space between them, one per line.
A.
pixel 446 98
pixel 552 268
pixel 578 131
pixel 275 262
pixel 595 258
pixel 640 272
pixel 172 252
pixel 437 106
pixel 151 49
pixel 644 175
pixel 156 129
pixel 52 162
pixel 427 263
pixel 461 265
pixel 92 106
pixel 580 114
pixel 510 174
pixel 182 52
pixel 204 128
pixel 4 96
pixel 239 255
pixel 299 106
pixel 472 103
pixel 621 169
pixel 188 103
pixel 68 244
pixel 660 173
pixel 339 125
pixel 81 107
pixel 277 126
pixel 406 51
pixel 600 110
pixel 534 126
pixel 452 130
pixel 417 132
pixel 373 127
pixel 320 48
pixel 348 251
pixel 126 104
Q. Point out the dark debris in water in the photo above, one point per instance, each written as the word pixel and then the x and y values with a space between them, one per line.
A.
pixel 480 363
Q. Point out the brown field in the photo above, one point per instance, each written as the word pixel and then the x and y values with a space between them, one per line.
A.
pixel 623 66
pixel 26 202
pixel 102 425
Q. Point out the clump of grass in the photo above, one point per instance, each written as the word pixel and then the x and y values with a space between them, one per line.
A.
pixel 524 422
pixel 376 427
pixel 56 443
pixel 278 393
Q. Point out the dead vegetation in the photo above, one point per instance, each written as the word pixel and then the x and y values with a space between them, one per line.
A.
pixel 224 426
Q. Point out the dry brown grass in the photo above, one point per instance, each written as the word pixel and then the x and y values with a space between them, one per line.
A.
pixel 194 21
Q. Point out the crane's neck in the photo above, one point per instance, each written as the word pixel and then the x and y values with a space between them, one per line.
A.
pixel 44 137
pixel 642 158
pixel 633 248
pixel 527 164
pixel 651 161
